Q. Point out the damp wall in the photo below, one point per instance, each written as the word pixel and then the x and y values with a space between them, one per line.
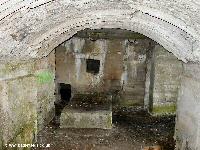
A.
pixel 122 70
pixel 163 80
pixel 27 99
pixel 188 109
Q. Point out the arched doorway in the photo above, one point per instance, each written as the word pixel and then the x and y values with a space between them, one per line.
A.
pixel 118 60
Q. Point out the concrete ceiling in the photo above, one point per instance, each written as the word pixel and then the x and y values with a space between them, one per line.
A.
pixel 32 29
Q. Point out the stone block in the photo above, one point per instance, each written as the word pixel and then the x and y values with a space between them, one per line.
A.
pixel 18 110
pixel 165 81
pixel 86 119
pixel 87 111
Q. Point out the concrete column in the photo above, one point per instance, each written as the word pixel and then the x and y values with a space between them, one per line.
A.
pixel 163 79
pixel 188 109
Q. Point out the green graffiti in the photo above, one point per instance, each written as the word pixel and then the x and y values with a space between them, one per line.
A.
pixel 44 77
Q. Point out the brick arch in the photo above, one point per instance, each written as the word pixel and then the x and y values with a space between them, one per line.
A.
pixel 30 29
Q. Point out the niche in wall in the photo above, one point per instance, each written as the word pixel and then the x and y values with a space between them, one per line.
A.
pixel 92 66
pixel 65 92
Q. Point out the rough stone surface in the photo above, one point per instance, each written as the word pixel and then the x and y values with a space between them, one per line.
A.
pixel 31 29
pixel 87 119
pixel 45 74
pixel 188 111
pixel 148 83
pixel 122 65
pixel 88 111
pixel 167 77
pixel 23 106
pixel 163 79
pixel 18 119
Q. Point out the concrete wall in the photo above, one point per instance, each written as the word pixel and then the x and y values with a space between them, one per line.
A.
pixel 18 117
pixel 188 111
pixel 164 72
pixel 122 65
pixel 27 99
pixel 45 74
pixel 18 103
pixel 71 64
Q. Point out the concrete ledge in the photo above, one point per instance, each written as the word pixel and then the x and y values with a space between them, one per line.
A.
pixel 86 119
pixel 87 111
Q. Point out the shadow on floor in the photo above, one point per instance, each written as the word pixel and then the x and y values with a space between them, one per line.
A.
pixel 133 129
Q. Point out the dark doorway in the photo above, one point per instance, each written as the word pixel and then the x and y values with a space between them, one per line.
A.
pixel 65 92
pixel 93 66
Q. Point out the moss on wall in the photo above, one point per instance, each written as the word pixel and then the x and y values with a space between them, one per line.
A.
pixel 22 89
pixel 45 77
pixel 164 109
pixel 24 135
pixel 109 121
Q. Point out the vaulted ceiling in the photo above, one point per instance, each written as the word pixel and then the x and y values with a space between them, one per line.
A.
pixel 33 28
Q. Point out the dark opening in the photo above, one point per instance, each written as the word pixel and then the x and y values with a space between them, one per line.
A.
pixel 65 92
pixel 93 66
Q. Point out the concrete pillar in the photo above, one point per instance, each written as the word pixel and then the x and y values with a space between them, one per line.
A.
pixel 188 109
pixel 163 81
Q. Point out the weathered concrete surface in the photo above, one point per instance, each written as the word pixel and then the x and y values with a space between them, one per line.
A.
pixel 88 111
pixel 18 119
pixel 134 74
pixel 45 74
pixel 71 64
pixel 87 119
pixel 188 111
pixel 122 65
pixel 148 98
pixel 167 77
pixel 31 29
pixel 163 79
pixel 23 106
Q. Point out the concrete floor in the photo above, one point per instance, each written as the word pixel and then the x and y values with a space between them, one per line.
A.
pixel 133 129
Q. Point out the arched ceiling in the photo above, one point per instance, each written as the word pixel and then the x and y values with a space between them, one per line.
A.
pixel 33 28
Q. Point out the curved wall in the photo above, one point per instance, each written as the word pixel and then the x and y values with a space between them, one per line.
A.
pixel 31 29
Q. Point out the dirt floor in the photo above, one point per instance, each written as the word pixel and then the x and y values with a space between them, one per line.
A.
pixel 133 129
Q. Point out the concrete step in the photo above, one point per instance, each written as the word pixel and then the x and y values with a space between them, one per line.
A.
pixel 71 118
